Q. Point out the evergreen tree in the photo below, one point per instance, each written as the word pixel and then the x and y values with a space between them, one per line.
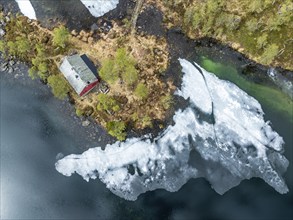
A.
pixel 117 129
pixel 60 36
pixel 107 72
pixel 262 41
pixel 130 75
pixel 122 66
pixel 23 46
pixel 59 86
pixel 269 54
pixel 107 103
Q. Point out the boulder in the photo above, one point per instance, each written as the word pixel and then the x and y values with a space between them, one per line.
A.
pixel 11 62
pixel 2 32
pixel 86 123
pixel 112 35
pixel 90 40
pixel 84 39
pixel 3 68
pixel 10 70
pixel 94 27
pixel 74 33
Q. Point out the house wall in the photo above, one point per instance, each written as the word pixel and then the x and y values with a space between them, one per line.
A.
pixel 87 89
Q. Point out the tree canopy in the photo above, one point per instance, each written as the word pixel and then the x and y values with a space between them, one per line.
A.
pixel 60 36
pixel 117 129
pixel 122 66
pixel 107 103
pixel 59 86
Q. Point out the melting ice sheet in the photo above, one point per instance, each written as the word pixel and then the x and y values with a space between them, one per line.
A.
pixel 221 136
pixel 99 7
pixel 26 8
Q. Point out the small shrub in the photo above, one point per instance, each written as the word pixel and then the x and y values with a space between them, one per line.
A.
pixel 117 129
pixel 79 112
pixel 146 122
pixel 141 91
pixel 166 101
pixel 107 103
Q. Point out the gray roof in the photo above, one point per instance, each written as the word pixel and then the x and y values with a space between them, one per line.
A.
pixel 77 72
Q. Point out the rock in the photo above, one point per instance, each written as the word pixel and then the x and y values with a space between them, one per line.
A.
pixel 84 39
pixel 90 40
pixel 236 46
pixel 59 156
pixel 157 51
pixel 11 62
pixel 4 64
pixel 74 33
pixel 3 68
pixel 16 76
pixel 2 22
pixel 85 123
pixel 2 32
pixel 94 27
pixel 112 35
pixel 82 33
pixel 10 70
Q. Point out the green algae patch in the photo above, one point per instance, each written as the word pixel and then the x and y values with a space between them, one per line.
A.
pixel 269 96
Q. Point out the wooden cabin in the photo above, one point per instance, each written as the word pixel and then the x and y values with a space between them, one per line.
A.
pixel 80 72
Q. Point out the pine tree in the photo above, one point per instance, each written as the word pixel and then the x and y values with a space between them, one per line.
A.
pixel 269 54
pixel 60 36
pixel 117 129
pixel 59 86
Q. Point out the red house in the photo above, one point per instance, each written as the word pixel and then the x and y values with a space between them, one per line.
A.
pixel 80 72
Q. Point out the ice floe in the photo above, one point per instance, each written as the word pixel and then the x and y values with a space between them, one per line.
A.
pixel 26 8
pixel 99 7
pixel 221 136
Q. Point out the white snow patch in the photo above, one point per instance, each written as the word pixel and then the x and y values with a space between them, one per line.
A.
pixel 221 136
pixel 100 7
pixel 196 90
pixel 26 8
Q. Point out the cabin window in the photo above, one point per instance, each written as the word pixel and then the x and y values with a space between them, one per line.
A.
pixel 76 76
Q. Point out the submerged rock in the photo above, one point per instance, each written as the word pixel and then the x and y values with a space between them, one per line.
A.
pixel 221 136
pixel 86 123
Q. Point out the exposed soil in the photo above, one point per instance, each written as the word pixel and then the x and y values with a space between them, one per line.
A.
pixel 150 21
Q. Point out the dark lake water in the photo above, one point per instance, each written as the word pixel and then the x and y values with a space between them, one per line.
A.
pixel 35 127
